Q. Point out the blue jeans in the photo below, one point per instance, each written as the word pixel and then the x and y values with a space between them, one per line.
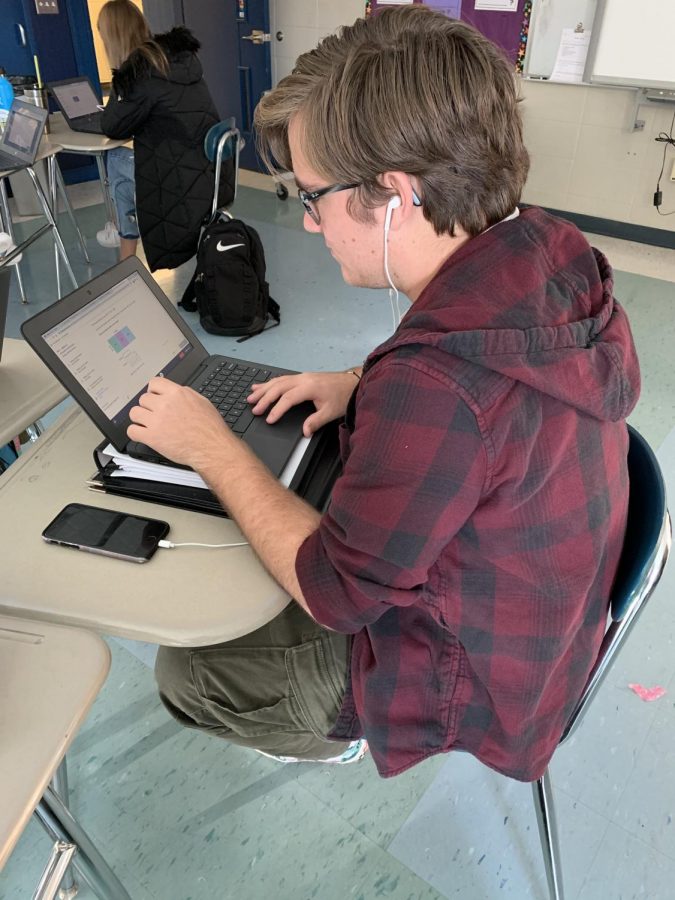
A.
pixel 119 164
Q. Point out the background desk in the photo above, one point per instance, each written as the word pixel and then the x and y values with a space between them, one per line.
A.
pixel 27 388
pixel 49 147
pixel 89 144
pixel 188 596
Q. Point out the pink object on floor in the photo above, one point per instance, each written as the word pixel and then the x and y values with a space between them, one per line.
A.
pixel 647 694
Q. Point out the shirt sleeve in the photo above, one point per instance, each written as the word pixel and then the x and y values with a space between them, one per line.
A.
pixel 414 474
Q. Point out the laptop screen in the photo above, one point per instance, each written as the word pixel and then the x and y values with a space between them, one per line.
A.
pixel 77 98
pixel 23 131
pixel 116 343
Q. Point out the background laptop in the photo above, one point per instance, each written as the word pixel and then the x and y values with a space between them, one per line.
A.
pixel 4 296
pixel 107 339
pixel 21 138
pixel 79 104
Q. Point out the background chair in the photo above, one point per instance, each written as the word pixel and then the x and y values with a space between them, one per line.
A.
pixel 645 551
pixel 50 677
pixel 222 141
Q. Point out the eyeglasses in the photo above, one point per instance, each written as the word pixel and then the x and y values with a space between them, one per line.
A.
pixel 309 198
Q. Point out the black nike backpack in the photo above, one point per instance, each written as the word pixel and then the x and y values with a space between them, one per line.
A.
pixel 228 287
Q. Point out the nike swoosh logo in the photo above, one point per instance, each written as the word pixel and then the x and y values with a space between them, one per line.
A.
pixel 221 248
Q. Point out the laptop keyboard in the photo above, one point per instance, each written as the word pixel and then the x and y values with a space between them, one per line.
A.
pixel 227 387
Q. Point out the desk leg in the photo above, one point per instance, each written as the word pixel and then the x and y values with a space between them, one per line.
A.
pixel 7 222
pixel 105 186
pixel 50 218
pixel 89 863
pixel 69 209
pixel 68 887
pixel 53 203
pixel 33 431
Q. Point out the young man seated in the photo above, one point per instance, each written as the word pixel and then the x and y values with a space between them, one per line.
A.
pixel 454 595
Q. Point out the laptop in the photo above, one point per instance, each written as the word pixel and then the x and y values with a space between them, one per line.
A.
pixel 107 339
pixel 4 297
pixel 21 138
pixel 79 104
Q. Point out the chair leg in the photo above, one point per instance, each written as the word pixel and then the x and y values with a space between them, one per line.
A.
pixel 90 865
pixel 542 794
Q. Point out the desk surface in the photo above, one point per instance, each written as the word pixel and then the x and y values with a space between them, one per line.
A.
pixel 189 596
pixel 27 388
pixel 50 678
pixel 78 141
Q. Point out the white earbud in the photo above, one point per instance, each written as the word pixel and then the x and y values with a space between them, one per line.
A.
pixel 393 204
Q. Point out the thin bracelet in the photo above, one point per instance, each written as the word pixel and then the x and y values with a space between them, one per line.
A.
pixel 353 372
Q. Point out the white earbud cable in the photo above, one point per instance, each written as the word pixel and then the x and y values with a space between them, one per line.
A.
pixel 393 290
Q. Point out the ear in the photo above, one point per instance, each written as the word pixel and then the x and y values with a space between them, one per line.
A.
pixel 401 188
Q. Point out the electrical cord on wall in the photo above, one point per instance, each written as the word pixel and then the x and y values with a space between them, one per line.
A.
pixel 668 141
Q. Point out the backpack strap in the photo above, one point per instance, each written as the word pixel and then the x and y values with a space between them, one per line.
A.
pixel 189 299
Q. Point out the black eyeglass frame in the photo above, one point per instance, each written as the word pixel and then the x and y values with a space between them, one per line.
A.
pixel 309 197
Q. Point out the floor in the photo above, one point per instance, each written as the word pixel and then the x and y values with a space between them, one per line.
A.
pixel 184 817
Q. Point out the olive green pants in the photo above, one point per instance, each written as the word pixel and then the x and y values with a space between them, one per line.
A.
pixel 278 689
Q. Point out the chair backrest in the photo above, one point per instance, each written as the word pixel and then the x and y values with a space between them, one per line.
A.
pixel 222 141
pixel 645 551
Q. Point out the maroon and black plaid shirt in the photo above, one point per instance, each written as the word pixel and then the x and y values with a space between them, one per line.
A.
pixel 472 539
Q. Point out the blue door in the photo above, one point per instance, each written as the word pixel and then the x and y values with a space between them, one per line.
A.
pixel 16 57
pixel 236 57
pixel 64 46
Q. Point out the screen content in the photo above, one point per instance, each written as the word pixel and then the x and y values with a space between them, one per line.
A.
pixel 114 345
pixel 76 99
pixel 103 529
pixel 22 131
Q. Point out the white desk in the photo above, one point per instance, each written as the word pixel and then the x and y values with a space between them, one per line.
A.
pixel 89 145
pixel 188 596
pixel 49 147
pixel 27 388
pixel 50 678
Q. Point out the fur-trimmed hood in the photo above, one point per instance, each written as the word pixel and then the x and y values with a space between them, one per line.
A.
pixel 180 47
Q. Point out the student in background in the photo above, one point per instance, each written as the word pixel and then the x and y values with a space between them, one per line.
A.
pixel 163 188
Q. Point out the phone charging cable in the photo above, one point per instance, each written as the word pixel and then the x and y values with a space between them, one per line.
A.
pixel 169 545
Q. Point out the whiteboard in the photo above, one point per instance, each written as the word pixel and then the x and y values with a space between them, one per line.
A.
pixel 633 44
pixel 549 17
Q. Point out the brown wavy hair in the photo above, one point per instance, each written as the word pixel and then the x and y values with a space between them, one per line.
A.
pixel 124 29
pixel 406 90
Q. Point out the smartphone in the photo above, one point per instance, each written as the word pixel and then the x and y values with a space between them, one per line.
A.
pixel 106 531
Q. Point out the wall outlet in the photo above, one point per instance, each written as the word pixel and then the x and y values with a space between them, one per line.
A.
pixel 672 172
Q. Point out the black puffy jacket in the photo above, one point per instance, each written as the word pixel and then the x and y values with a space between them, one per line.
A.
pixel 168 118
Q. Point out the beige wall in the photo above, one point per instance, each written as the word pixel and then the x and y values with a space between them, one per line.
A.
pixel 304 23
pixel 586 158
pixel 101 59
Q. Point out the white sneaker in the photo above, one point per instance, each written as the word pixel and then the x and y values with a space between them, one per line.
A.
pixel 354 753
pixel 108 236
pixel 6 246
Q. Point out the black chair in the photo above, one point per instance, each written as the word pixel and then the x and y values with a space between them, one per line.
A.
pixel 645 551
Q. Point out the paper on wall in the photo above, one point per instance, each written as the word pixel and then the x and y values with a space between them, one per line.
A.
pixel 571 59
pixel 502 5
